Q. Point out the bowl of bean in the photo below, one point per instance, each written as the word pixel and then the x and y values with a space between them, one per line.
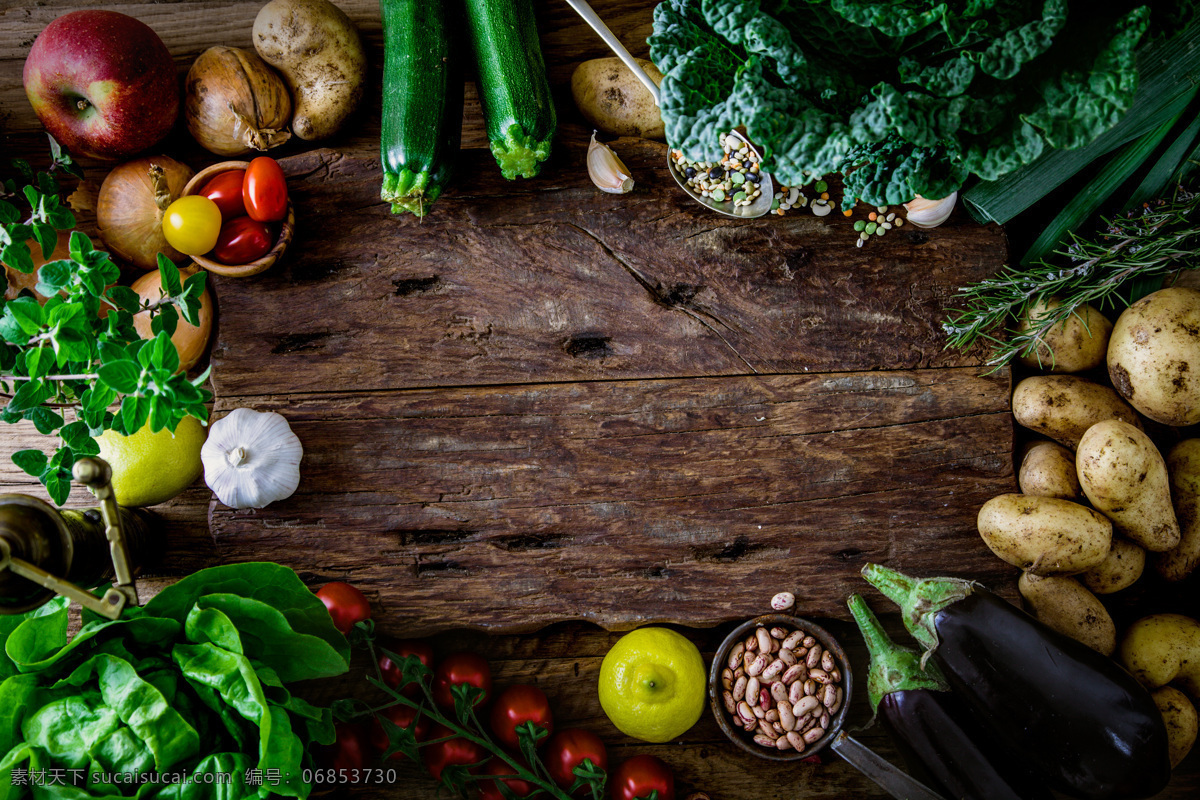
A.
pixel 780 687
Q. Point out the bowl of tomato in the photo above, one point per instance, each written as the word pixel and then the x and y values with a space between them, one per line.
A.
pixel 257 220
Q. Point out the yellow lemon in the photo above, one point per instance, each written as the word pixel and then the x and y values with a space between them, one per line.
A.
pixel 653 684
pixel 150 468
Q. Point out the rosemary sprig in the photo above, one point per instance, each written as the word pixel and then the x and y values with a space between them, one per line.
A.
pixel 1159 239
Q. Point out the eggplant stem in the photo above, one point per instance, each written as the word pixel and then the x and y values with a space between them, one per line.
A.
pixel 893 668
pixel 919 599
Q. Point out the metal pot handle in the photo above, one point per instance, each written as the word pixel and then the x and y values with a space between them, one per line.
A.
pixel 895 782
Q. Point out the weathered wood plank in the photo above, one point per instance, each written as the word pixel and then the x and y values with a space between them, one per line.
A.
pixel 692 501
pixel 552 280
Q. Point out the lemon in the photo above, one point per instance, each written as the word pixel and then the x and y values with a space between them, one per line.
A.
pixel 653 684
pixel 150 468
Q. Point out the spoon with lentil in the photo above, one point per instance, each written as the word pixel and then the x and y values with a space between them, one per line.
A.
pixel 734 185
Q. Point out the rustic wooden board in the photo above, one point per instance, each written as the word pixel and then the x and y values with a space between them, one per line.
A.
pixel 627 502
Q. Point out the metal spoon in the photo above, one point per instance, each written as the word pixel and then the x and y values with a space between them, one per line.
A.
pixel 761 204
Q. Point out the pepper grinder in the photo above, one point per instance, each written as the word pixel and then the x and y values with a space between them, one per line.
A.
pixel 46 551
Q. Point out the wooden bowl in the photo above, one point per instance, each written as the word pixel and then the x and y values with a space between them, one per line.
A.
pixel 738 736
pixel 286 229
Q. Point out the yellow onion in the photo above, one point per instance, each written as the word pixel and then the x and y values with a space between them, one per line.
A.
pixel 234 103
pixel 190 340
pixel 129 211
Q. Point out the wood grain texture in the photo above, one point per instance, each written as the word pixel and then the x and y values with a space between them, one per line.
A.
pixel 508 508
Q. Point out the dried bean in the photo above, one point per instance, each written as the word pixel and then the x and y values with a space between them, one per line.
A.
pixel 835 675
pixel 810 687
pixel 766 729
pixel 805 706
pixel 790 642
pixel 778 633
pixel 773 670
pixel 744 711
pixel 813 734
pixel 788 657
pixel 833 709
pixel 827 661
pixel 786 718
pixel 797 741
pixel 752 686
pixel 752 725
pixel 759 713
pixel 735 655
pixel 775 726
pixel 764 699
pixel 751 644
pixel 783 601
pixel 748 659
pixel 782 743
pixel 765 741
pixel 820 676
pixel 825 721
pixel 779 692
pixel 829 696
pixel 730 703
pixel 760 663
pixel 740 672
pixel 739 687
pixel 795 692
pixel 809 642
pixel 764 640
pixel 814 658
pixel 793 674
pixel 772 715
pixel 808 724
pixel 727 678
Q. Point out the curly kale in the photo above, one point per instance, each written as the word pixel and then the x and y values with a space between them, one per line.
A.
pixel 906 97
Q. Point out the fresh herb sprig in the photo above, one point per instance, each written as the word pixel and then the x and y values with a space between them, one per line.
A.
pixel 1156 240
pixel 79 353
pixel 463 724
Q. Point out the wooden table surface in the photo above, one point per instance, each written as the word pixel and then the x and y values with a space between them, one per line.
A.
pixel 544 415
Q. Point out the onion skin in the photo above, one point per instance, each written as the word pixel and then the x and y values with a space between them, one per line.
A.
pixel 190 340
pixel 234 102
pixel 130 209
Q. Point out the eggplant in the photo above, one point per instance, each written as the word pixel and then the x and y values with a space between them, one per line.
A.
pixel 940 742
pixel 1074 717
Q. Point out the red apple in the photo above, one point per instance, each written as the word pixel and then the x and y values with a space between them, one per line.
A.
pixel 102 83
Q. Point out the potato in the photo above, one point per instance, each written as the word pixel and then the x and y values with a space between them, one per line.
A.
pixel 1162 649
pixel 1180 717
pixel 1064 406
pixel 317 49
pixel 1183 468
pixel 1125 479
pixel 613 100
pixel 1064 605
pixel 1048 470
pixel 1119 570
pixel 1079 343
pixel 1154 353
pixel 1044 535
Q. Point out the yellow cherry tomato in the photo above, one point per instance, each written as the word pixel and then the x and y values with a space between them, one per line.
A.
pixel 192 224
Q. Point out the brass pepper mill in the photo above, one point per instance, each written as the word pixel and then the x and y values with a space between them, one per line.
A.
pixel 46 551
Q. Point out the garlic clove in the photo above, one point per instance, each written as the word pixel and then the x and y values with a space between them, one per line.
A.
pixel 606 169
pixel 926 213
pixel 251 458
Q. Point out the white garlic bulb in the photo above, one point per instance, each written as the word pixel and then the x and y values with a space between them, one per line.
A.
pixel 930 213
pixel 251 458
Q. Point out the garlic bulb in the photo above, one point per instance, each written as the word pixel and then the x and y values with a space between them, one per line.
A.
pixel 606 170
pixel 251 458
pixel 930 213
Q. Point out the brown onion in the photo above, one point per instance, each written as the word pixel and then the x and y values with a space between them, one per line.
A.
pixel 190 340
pixel 130 209
pixel 233 102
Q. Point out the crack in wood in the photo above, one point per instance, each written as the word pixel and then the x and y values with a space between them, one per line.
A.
pixel 300 342
pixel 407 286
pixel 587 346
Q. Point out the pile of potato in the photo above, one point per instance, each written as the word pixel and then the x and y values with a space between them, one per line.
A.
pixel 1097 494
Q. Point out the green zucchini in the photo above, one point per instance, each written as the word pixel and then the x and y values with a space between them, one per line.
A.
pixel 512 84
pixel 422 103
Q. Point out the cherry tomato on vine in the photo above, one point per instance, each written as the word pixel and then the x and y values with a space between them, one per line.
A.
pixel 392 674
pixel 459 668
pixel 226 191
pixel 490 789
pixel 346 604
pixel 567 750
pixel 639 776
pixel 192 224
pixel 348 751
pixel 515 706
pixel 462 752
pixel 401 716
pixel 243 240
pixel 264 190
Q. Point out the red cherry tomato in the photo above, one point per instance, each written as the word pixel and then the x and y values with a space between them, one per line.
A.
pixel 567 750
pixel 515 706
pixel 243 240
pixel 461 668
pixel 392 674
pixel 641 775
pixel 402 716
pixel 452 751
pixel 226 191
pixel 349 749
pixel 265 190
pixel 346 605
pixel 490 789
